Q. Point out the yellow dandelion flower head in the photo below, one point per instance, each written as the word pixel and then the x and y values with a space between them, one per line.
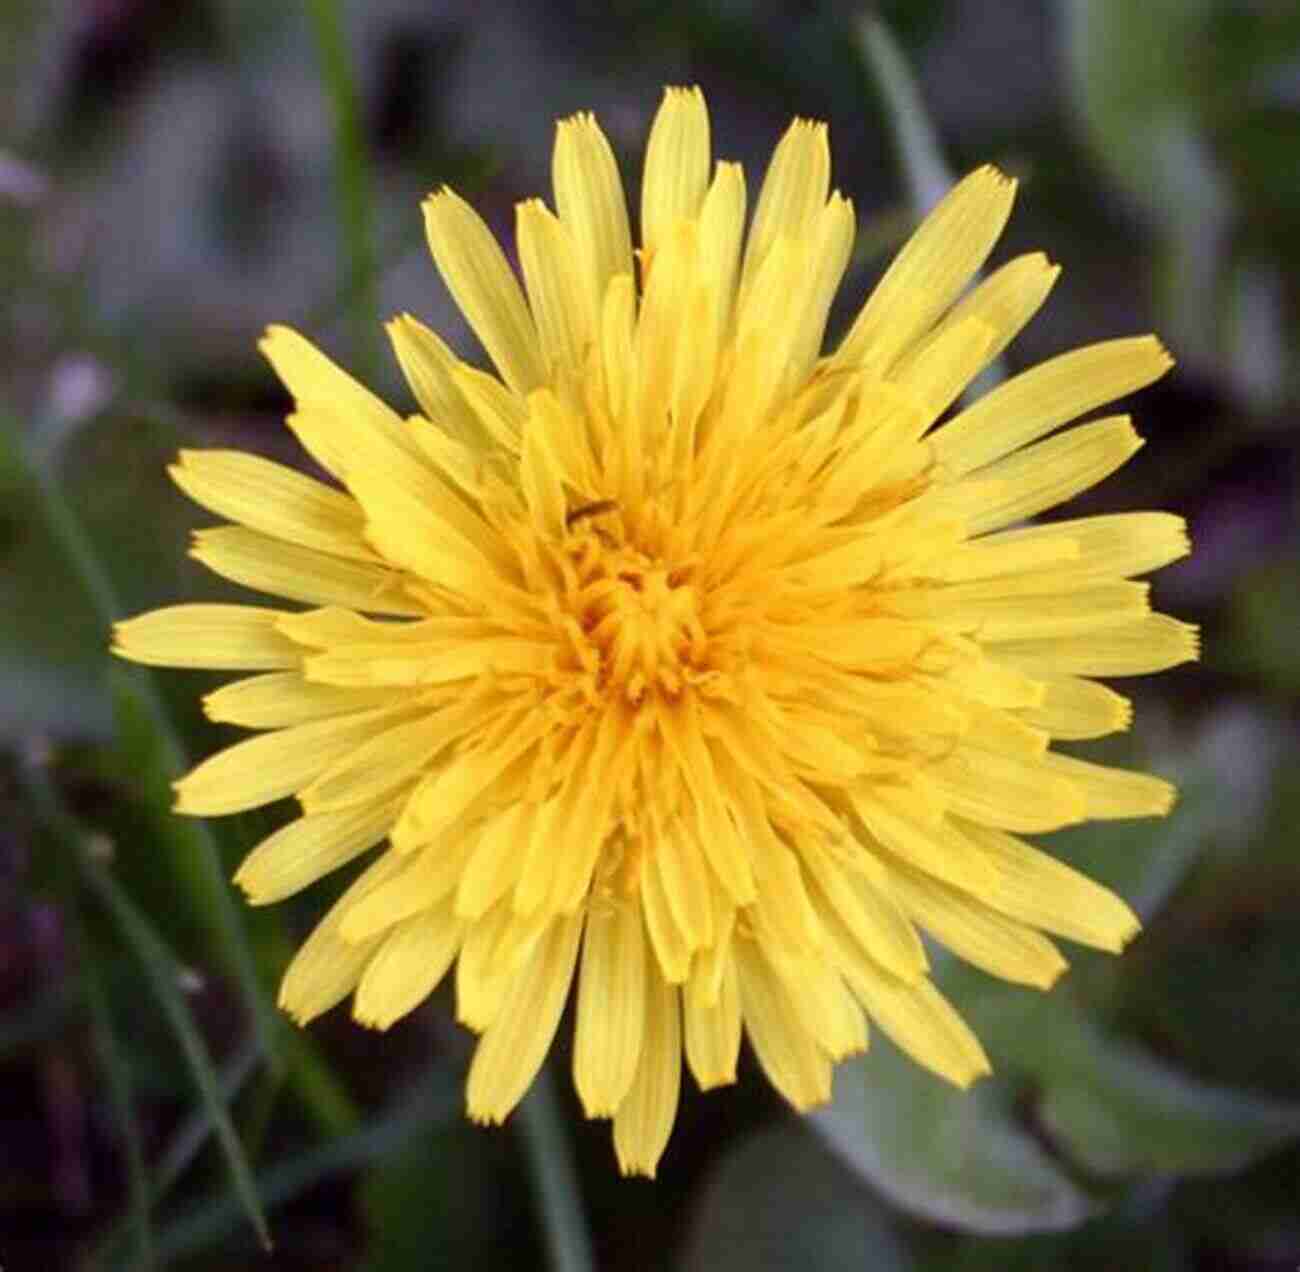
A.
pixel 678 648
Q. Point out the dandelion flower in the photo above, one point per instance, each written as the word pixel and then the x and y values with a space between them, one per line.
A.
pixel 679 658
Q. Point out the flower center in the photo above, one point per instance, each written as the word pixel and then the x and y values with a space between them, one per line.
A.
pixel 639 616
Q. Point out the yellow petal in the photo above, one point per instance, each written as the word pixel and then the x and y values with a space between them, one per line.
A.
pixel 998 945
pixel 430 369
pixel 1032 404
pixel 561 306
pixel 375 478
pixel 437 662
pixel 1003 791
pixel 831 235
pixel 300 574
pixel 618 345
pixel 988 681
pixel 823 1003
pixel 722 226
pixel 1037 889
pixel 885 422
pixel 403 527
pixel 334 625
pixel 389 759
pixel 793 193
pixel 493 867
pixel 565 434
pixel 337 419
pixel 326 968
pixel 221 637
pixel 924 1024
pixel 676 171
pixel 1044 475
pixel 479 278
pixel 407 967
pixel 672 953
pixel 447 796
pixel 932 269
pixel 713 963
pixel 560 859
pixel 790 1056
pixel 1007 299
pixel 427 880
pixel 273 499
pixel 310 847
pixel 712 1027
pixel 1012 608
pixel 721 843
pixel 501 414
pixel 482 981
pixel 1007 553
pixel 515 1044
pixel 659 335
pixel 930 846
pixel 1073 708
pixel 586 811
pixel 686 883
pixel 768 331
pixel 277 699
pixel 990 729
pixel 611 1010
pixel 458 463
pixel 694 377
pixel 869 919
pixel 1113 792
pixel 541 480
pixel 941 367
pixel 645 1117
pixel 1153 644
pixel 272 765
pixel 1122 544
pixel 782 914
pixel 590 200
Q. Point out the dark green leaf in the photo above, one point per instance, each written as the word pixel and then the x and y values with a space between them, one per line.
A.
pixel 924 167
pixel 1117 1111
pixel 779 1200
pixel 953 1157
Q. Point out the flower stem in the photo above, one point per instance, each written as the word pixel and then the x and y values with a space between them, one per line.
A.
pixel 551 1157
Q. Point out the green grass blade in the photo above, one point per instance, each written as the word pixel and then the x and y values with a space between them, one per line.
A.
pixel 185 1145
pixel 925 171
pixel 118 1078
pixel 160 968
pixel 158 755
pixel 431 1099
pixel 351 175
pixel 168 750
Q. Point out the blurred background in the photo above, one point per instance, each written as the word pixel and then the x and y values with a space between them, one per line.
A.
pixel 174 176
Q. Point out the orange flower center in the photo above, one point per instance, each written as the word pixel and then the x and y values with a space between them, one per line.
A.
pixel 638 618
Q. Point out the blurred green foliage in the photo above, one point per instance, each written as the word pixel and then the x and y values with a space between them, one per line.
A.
pixel 172 178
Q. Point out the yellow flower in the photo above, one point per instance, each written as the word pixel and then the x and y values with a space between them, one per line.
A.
pixel 693 654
